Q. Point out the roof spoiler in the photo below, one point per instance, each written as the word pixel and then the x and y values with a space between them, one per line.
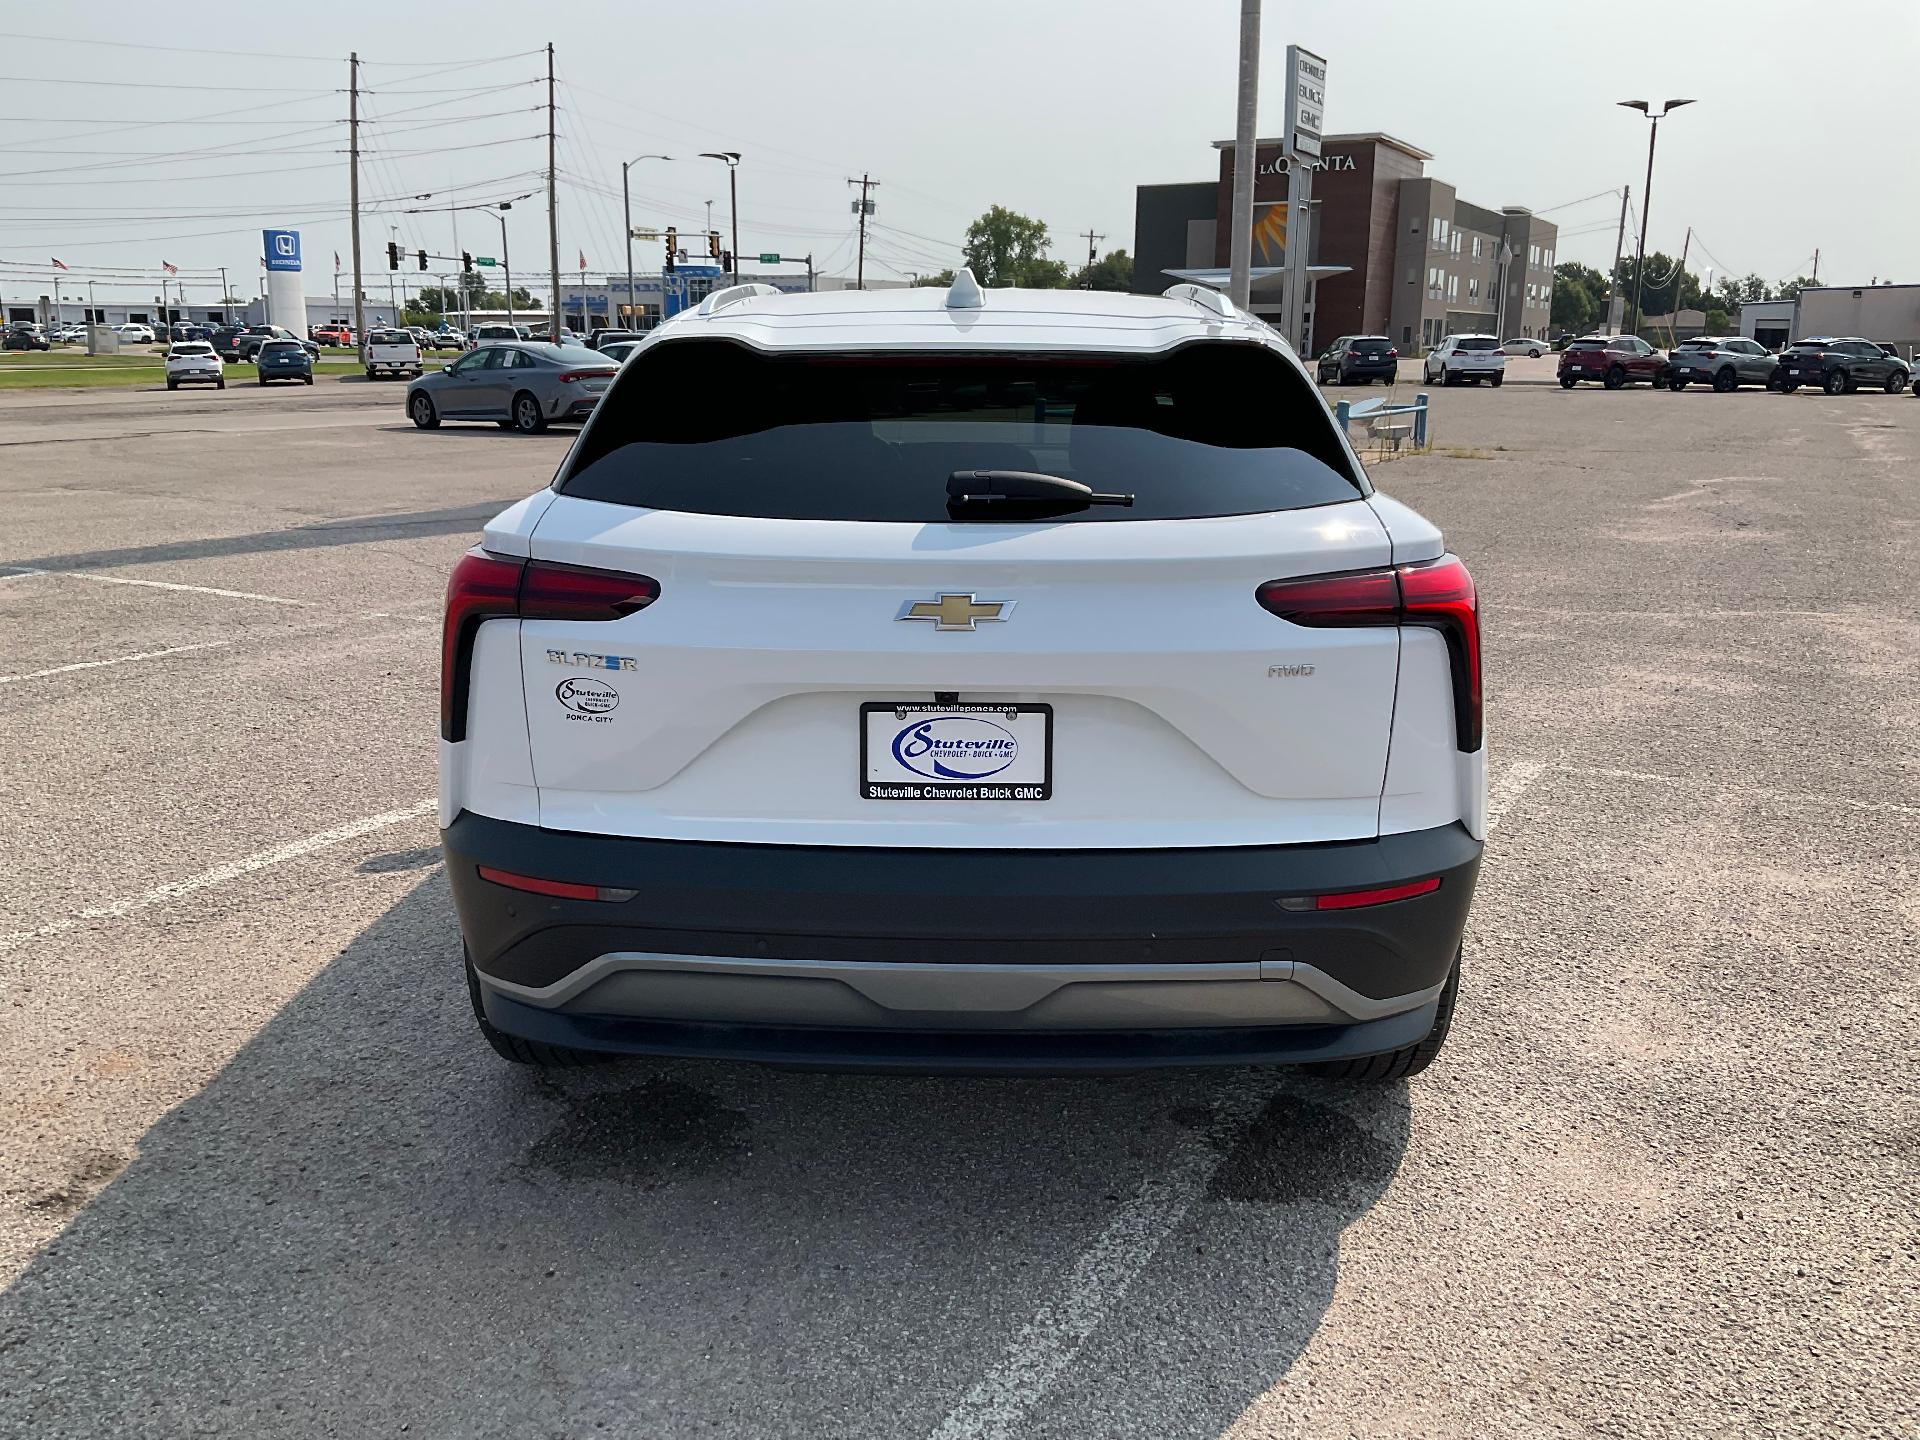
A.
pixel 1212 301
pixel 732 295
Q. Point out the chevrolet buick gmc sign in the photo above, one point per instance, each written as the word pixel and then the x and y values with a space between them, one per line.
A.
pixel 1306 101
pixel 282 249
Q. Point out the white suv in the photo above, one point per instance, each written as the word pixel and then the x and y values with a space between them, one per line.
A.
pixel 963 680
pixel 1466 359
pixel 191 362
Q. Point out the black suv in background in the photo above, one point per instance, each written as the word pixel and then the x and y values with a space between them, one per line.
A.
pixel 1364 358
pixel 1841 364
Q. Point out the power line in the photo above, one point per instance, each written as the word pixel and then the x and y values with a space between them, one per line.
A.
pixel 168 49
pixel 165 85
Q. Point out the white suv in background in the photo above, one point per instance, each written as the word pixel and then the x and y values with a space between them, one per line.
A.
pixel 194 362
pixel 963 680
pixel 1466 359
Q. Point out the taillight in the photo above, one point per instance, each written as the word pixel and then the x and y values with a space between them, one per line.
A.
pixel 560 889
pixel 572 375
pixel 485 586
pixel 1438 594
pixel 1393 354
pixel 1355 899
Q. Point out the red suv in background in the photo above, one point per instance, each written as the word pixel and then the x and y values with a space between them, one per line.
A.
pixel 334 334
pixel 1614 362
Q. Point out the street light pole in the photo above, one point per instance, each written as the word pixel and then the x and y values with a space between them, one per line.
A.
pixel 626 214
pixel 731 158
pixel 506 259
pixel 1646 202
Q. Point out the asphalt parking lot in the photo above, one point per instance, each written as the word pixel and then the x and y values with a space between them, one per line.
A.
pixel 261 1177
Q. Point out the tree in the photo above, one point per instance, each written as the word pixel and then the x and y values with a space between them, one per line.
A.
pixel 1004 247
pixel 1114 272
pixel 1668 287
pixel 1788 289
pixel 1579 294
pixel 943 279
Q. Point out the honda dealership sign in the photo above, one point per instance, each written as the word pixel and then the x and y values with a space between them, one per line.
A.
pixel 282 249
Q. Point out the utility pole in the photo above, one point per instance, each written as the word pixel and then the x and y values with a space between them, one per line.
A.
pixel 1613 275
pixel 1679 283
pixel 353 195
pixel 1240 242
pixel 225 309
pixel 809 272
pixel 553 202
pixel 862 206
pixel 1816 268
pixel 1091 240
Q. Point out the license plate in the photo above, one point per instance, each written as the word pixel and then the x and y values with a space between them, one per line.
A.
pixel 955 752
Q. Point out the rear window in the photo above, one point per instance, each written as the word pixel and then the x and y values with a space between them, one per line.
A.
pixel 1477 342
pixel 189 348
pixel 1586 345
pixel 281 347
pixel 711 427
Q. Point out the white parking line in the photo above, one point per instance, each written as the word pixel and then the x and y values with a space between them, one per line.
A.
pixel 20 575
pixel 116 660
pixel 1506 788
pixel 220 874
pixel 193 589
pixel 997 1404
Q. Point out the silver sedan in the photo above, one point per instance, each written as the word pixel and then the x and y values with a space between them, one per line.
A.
pixel 522 387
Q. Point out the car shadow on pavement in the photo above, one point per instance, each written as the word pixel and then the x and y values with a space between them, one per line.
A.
pixel 366 1223
pixel 355 530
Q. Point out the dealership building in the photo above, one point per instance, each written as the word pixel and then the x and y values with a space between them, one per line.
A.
pixel 1392 250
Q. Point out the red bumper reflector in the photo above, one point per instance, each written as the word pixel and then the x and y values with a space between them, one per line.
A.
pixel 1354 899
pixel 559 889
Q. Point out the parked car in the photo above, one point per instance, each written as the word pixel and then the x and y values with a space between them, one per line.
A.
pixel 193 362
pixel 618 350
pixel 764 736
pixel 494 333
pixel 392 352
pixel 523 386
pixel 1466 359
pixel 226 341
pixel 70 335
pixel 1614 361
pixel 284 359
pixel 449 339
pixel 134 333
pixel 25 335
pixel 1725 362
pixel 1841 364
pixel 1520 345
pixel 258 335
pixel 432 339
pixel 335 334
pixel 1362 358
pixel 597 338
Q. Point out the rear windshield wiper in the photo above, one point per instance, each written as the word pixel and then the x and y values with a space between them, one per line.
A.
pixel 1023 489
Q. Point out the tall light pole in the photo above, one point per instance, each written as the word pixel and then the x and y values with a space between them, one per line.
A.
pixel 1240 239
pixel 626 213
pixel 506 260
pixel 1646 202
pixel 731 158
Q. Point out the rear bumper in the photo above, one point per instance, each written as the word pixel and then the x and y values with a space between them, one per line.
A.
pixel 917 959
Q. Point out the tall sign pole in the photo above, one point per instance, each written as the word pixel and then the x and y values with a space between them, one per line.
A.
pixel 1240 242
pixel 1306 121
pixel 553 203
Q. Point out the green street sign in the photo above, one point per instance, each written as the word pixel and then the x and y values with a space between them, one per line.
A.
pixel 483 260
pixel 769 259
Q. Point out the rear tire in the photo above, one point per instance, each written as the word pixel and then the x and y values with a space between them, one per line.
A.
pixel 309 379
pixel 1616 378
pixel 527 418
pixel 1409 1059
pixel 1533 354
pixel 529 1052
pixel 1567 382
pixel 1496 380
pixel 1726 381
pixel 1676 384
pixel 1787 387
pixel 173 384
pixel 1836 383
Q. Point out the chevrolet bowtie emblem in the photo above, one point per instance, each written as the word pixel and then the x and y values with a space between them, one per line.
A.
pixel 955 612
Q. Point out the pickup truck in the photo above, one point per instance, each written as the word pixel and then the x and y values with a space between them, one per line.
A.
pixel 392 352
pixel 334 334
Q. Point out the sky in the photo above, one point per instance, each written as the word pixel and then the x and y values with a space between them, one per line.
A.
pixel 117 157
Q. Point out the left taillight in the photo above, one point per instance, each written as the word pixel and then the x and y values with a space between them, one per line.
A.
pixel 1438 594
pixel 485 586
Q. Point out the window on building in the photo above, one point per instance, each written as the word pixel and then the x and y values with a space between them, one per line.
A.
pixel 1473 287
pixel 1453 287
pixel 1476 247
pixel 1417 225
pixel 1456 242
pixel 1413 274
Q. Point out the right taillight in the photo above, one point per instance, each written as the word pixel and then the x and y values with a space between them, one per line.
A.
pixel 485 586
pixel 1438 594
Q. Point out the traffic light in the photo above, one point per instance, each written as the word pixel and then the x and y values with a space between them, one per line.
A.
pixel 726 261
pixel 393 255
pixel 466 262
pixel 713 244
pixel 422 257
pixel 673 242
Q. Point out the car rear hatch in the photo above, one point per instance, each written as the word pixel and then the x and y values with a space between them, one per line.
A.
pixel 1473 352
pixel 830 646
